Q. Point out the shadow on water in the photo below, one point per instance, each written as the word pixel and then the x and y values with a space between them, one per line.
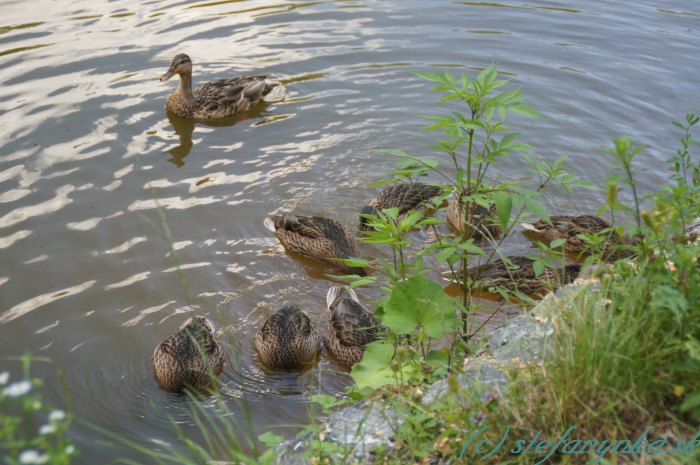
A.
pixel 184 128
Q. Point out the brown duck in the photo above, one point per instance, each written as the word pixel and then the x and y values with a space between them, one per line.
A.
pixel 518 274
pixel 569 228
pixel 188 358
pixel 288 340
pixel 315 237
pixel 403 196
pixel 482 220
pixel 216 99
pixel 350 325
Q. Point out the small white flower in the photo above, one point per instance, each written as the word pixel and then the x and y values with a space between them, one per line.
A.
pixel 18 389
pixel 47 429
pixel 4 377
pixel 28 456
pixel 69 449
pixel 32 457
pixel 57 415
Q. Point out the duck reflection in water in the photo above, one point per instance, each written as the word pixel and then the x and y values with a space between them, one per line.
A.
pixel 184 128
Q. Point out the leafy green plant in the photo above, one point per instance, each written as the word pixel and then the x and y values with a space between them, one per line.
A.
pixel 474 140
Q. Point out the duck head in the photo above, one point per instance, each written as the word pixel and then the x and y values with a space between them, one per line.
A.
pixel 181 65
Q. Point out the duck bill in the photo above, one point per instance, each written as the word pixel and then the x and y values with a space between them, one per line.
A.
pixel 167 75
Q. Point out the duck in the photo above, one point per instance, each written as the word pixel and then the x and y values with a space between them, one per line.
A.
pixel 482 220
pixel 403 196
pixel 190 357
pixel 315 237
pixel 350 325
pixel 569 228
pixel 217 99
pixel 288 340
pixel 517 274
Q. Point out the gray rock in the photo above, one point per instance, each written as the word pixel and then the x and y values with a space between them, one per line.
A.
pixel 291 452
pixel 356 431
pixel 483 378
pixel 525 338
pixel 363 428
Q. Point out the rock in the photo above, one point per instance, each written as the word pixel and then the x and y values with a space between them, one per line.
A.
pixel 483 377
pixel 364 428
pixel 356 431
pixel 524 339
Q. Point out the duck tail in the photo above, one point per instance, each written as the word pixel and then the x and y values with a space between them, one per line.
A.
pixel 337 291
pixel 270 222
pixel 277 93
pixel 529 227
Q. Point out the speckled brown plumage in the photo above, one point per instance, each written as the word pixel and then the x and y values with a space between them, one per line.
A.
pixel 288 340
pixel 570 227
pixel 189 357
pixel 319 238
pixel 482 220
pixel 216 99
pixel 350 326
pixel 519 275
pixel 403 196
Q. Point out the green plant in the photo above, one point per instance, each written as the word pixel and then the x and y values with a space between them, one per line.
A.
pixel 23 406
pixel 473 142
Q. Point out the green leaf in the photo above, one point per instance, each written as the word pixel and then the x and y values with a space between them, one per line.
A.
pixel 504 206
pixel 374 370
pixel 324 400
pixel 430 76
pixel 691 402
pixel 538 266
pixel 270 438
pixel 355 262
pixel 445 254
pixel 525 110
pixel 419 303
pixel 536 208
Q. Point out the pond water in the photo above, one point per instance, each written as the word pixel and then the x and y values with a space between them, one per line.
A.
pixel 88 154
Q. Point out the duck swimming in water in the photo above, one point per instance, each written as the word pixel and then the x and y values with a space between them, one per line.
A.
pixel 517 274
pixel 350 325
pixel 569 228
pixel 216 99
pixel 288 340
pixel 188 358
pixel 322 239
pixel 403 196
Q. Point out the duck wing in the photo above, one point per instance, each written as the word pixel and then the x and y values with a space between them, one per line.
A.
pixel 353 324
pixel 405 197
pixel 229 96
pixel 287 325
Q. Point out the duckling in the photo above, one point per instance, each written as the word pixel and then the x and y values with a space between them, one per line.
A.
pixel 482 220
pixel 322 239
pixel 216 99
pixel 189 357
pixel 350 325
pixel 570 227
pixel 403 196
pixel 518 274
pixel 288 340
